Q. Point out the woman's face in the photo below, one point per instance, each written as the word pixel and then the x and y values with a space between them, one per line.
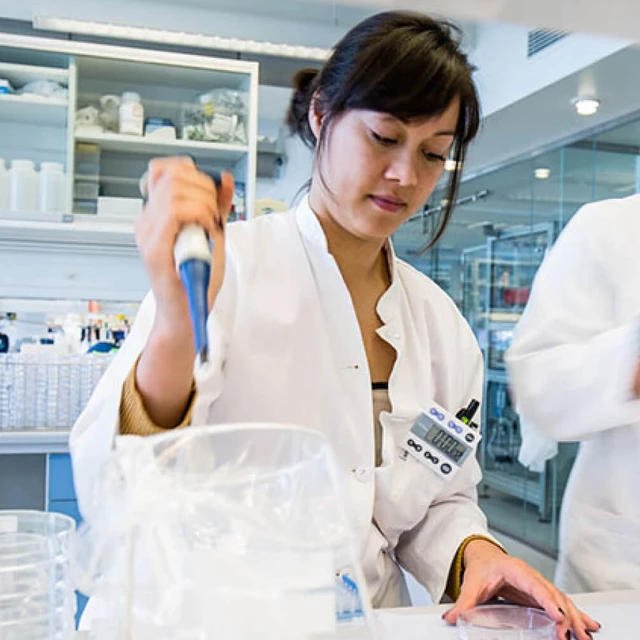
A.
pixel 379 170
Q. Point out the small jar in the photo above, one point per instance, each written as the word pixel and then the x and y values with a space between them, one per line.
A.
pixel 23 186
pixel 131 114
pixel 51 187
pixel 4 186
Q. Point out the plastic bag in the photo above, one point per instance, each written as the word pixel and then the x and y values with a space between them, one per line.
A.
pixel 219 117
pixel 233 531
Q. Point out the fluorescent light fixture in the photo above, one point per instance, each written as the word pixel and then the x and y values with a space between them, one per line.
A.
pixel 179 38
pixel 542 173
pixel 450 165
pixel 478 225
pixel 586 106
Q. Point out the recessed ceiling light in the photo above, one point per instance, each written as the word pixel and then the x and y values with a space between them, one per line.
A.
pixel 542 173
pixel 586 106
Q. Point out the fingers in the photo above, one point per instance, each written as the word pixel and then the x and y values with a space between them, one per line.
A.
pixel 177 193
pixel 476 589
pixel 577 623
pixel 532 583
pixel 225 195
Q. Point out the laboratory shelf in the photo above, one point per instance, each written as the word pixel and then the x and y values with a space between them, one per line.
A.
pixel 21 74
pixel 31 108
pixel 76 229
pixel 215 151
pixel 38 441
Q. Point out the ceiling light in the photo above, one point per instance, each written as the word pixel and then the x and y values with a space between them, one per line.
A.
pixel 542 173
pixel 586 106
pixel 451 165
pixel 87 27
pixel 476 225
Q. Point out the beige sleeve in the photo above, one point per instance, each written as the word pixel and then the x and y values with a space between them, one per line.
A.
pixel 456 575
pixel 134 419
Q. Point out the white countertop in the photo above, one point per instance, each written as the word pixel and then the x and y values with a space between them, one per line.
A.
pixel 34 441
pixel 617 611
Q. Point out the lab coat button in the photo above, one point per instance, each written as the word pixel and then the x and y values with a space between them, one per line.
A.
pixel 362 473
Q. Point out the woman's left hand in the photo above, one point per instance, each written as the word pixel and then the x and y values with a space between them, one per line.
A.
pixel 490 573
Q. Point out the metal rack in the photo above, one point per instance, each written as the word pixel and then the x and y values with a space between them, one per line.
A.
pixel 498 278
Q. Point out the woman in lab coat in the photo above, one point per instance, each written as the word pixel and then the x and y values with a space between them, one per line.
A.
pixel 574 366
pixel 315 321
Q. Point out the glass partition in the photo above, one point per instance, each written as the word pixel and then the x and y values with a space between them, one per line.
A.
pixel 504 223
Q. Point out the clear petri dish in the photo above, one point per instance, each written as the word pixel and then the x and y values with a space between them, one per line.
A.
pixel 505 622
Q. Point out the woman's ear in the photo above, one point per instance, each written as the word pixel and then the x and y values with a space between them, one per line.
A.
pixel 315 117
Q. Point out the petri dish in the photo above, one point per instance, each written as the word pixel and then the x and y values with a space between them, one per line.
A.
pixel 505 622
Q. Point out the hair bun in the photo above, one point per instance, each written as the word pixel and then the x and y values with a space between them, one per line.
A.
pixel 303 79
pixel 304 83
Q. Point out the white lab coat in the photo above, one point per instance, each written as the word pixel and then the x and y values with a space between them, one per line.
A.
pixel 572 364
pixel 286 347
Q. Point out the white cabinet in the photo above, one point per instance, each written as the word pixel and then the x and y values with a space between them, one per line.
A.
pixel 90 255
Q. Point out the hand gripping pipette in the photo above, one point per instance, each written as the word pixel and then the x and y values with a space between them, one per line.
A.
pixel 192 255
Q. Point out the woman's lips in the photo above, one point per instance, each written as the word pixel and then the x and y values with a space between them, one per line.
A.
pixel 388 204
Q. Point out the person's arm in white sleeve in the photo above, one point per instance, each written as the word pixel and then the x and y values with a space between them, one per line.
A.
pixel 571 365
pixel 430 550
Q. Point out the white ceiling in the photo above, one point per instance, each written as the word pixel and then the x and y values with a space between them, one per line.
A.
pixel 338 13
pixel 614 17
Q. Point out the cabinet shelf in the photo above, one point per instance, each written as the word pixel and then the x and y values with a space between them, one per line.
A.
pixel 21 74
pixel 34 441
pixel 216 151
pixel 33 110
pixel 74 231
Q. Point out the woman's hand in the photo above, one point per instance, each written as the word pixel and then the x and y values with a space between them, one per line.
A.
pixel 179 194
pixel 490 573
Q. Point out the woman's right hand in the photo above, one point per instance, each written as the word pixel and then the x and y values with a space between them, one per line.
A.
pixel 179 194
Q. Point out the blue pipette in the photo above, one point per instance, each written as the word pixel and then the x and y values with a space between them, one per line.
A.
pixel 192 255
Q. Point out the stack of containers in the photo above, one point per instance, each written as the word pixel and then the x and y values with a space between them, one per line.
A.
pixel 37 599
pixel 86 185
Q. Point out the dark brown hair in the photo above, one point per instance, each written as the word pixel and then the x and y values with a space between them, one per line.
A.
pixel 398 62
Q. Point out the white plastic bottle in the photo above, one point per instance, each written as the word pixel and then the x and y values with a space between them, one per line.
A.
pixel 131 114
pixel 23 186
pixel 4 186
pixel 51 187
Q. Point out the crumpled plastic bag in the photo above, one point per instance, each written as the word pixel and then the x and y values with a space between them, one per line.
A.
pixel 230 531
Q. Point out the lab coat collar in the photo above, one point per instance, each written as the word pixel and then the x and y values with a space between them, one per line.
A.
pixel 313 234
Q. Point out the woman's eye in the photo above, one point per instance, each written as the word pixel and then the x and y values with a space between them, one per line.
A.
pixel 382 139
pixel 434 157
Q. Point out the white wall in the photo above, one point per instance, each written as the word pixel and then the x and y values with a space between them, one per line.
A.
pixel 296 172
pixel 505 75
pixel 273 103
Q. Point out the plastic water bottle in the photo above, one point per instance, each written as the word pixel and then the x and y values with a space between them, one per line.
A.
pixel 131 114
pixel 23 186
pixel 51 187
pixel 4 186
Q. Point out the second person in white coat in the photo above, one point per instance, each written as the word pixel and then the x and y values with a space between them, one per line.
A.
pixel 315 321
pixel 575 370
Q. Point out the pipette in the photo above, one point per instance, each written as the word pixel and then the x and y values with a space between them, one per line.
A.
pixel 192 256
